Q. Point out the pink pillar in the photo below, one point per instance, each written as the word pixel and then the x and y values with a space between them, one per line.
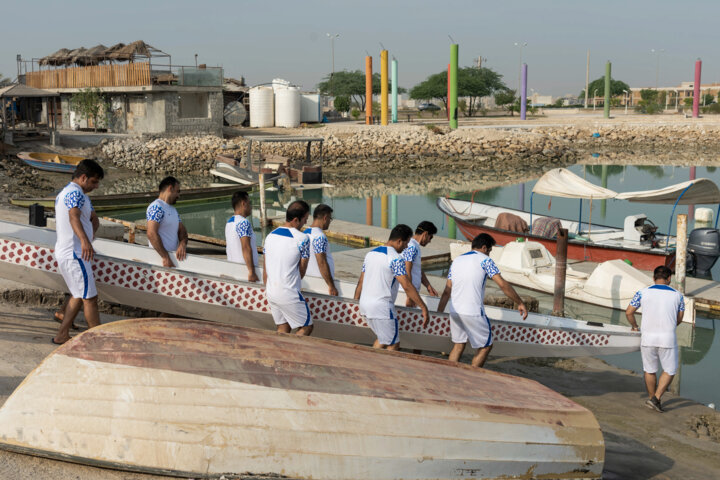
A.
pixel 696 92
pixel 691 208
pixel 448 93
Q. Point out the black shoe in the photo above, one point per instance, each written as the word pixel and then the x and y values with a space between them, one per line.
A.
pixel 655 404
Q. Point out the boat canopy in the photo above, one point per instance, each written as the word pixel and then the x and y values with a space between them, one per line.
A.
pixel 693 192
pixel 561 182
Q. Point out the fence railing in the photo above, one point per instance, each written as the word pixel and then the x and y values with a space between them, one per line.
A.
pixel 131 74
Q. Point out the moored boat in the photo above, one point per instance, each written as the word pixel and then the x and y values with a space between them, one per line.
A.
pixel 50 162
pixel 201 399
pixel 214 289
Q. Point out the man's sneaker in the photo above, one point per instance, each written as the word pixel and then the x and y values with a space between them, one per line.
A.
pixel 654 403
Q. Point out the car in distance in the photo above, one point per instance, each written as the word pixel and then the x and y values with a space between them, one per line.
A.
pixel 427 106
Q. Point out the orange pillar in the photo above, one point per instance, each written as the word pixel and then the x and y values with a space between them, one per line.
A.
pixel 369 211
pixel 368 94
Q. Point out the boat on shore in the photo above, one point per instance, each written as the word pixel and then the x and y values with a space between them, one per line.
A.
pixel 201 399
pixel 212 289
pixel 128 201
pixel 51 162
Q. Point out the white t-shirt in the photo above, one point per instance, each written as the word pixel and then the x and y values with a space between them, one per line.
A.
pixel 468 273
pixel 72 196
pixel 236 228
pixel 412 254
pixel 283 249
pixel 660 306
pixel 319 244
pixel 169 219
pixel 380 286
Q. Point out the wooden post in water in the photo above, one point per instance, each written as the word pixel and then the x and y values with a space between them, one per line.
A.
pixel 681 252
pixel 368 211
pixel 560 270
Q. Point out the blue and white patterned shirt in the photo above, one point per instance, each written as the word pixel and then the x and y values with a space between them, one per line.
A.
pixel 67 243
pixel 412 254
pixel 468 274
pixel 169 221
pixel 381 268
pixel 236 228
pixel 660 306
pixel 319 244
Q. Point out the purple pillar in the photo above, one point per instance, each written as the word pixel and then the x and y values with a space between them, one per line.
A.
pixel 691 208
pixel 696 92
pixel 523 93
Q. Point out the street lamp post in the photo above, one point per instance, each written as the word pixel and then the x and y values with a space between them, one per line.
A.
pixel 657 66
pixel 626 101
pixel 332 56
pixel 594 98
pixel 520 45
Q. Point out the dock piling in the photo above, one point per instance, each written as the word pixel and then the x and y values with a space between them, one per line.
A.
pixel 368 90
pixel 560 271
pixel 384 87
pixel 368 211
pixel 384 211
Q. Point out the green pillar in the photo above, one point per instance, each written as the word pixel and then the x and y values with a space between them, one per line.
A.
pixel 452 228
pixel 453 100
pixel 604 182
pixel 393 211
pixel 608 67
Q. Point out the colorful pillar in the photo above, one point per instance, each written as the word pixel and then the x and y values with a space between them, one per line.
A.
pixel 368 211
pixel 447 103
pixel 608 68
pixel 696 89
pixel 452 228
pixel 394 93
pixel 523 93
pixel 691 208
pixel 368 97
pixel 384 87
pixel 453 100
pixel 384 211
pixel 604 183
pixel 393 211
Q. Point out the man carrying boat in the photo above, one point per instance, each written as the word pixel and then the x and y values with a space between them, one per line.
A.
pixel 423 236
pixel 285 260
pixel 241 246
pixel 321 262
pixel 382 273
pixel 165 230
pixel 466 287
pixel 663 309
pixel 76 224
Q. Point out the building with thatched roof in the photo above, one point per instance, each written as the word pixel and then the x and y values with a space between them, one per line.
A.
pixel 143 91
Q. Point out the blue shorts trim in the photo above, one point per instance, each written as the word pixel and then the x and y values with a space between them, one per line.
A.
pixel 395 337
pixel 85 275
pixel 307 309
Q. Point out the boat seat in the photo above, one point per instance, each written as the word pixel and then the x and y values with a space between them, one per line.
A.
pixel 511 222
pixel 548 227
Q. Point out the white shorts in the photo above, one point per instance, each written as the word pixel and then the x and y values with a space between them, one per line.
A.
pixel 296 314
pixel 78 276
pixel 385 329
pixel 654 357
pixel 475 328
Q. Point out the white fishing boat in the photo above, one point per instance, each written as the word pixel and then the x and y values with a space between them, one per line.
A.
pixel 201 399
pixel 212 289
pixel 611 284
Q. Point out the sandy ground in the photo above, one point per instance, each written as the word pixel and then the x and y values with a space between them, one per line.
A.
pixel 683 443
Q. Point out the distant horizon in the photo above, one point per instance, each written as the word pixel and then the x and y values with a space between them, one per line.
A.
pixel 264 40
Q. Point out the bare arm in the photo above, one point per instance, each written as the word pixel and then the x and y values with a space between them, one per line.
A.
pixel 511 293
pixel 414 296
pixel 181 252
pixel 630 315
pixel 87 249
pixel 445 298
pixel 324 268
pixel 154 239
pixel 248 256
pixel 680 317
pixel 424 280
pixel 95 222
pixel 264 272
pixel 358 289
pixel 303 266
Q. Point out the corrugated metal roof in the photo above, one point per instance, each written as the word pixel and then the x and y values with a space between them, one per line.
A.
pixel 19 90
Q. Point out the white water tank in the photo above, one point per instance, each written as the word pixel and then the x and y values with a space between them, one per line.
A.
pixel 310 107
pixel 262 107
pixel 287 107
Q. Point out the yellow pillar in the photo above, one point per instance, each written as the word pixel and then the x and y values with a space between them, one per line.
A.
pixel 384 88
pixel 384 211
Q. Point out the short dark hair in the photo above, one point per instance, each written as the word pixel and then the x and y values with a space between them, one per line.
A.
pixel 426 226
pixel 483 240
pixel 168 181
pixel 297 209
pixel 322 210
pixel 401 232
pixel 662 272
pixel 89 168
pixel 238 197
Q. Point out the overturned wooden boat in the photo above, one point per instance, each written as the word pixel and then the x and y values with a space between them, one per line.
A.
pixel 51 162
pixel 214 289
pixel 201 399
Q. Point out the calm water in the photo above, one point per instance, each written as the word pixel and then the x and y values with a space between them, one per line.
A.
pixel 698 360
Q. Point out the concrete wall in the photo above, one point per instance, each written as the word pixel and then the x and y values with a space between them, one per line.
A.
pixel 212 124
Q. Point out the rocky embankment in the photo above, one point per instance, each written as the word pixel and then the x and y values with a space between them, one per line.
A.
pixel 406 147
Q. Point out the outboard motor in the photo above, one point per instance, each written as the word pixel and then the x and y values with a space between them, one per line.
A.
pixel 704 250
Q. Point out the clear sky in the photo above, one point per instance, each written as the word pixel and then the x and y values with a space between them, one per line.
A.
pixel 262 40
